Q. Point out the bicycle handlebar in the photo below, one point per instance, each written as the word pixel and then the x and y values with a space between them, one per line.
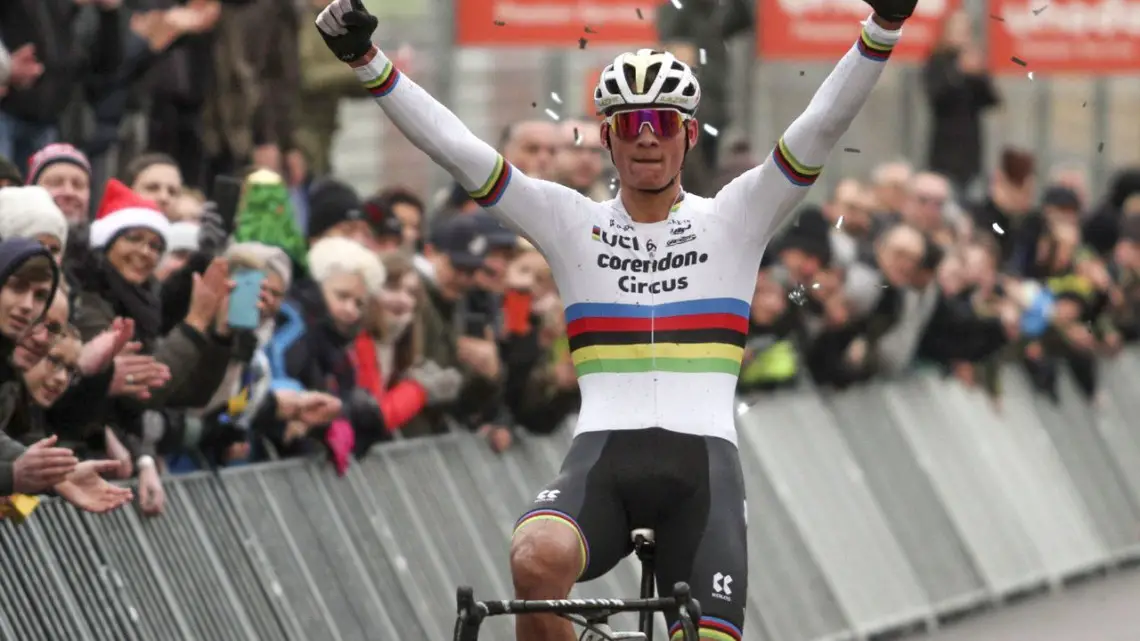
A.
pixel 471 612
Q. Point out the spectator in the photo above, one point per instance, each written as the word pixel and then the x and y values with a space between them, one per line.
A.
pixel 182 244
pixel 335 211
pixel 388 354
pixel 30 212
pixel 47 32
pixel 65 172
pixel 397 210
pixel 128 237
pixel 959 90
pixel 156 177
pixel 454 253
pixel 189 207
pixel 890 183
pixel 310 348
pixel 1101 228
pixel 1009 198
pixel 849 213
pixel 10 175
pixel 579 159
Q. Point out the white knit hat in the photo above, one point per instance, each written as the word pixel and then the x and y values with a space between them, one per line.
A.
pixel 183 237
pixel 27 212
pixel 123 209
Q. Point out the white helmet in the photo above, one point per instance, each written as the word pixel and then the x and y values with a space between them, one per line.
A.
pixel 647 78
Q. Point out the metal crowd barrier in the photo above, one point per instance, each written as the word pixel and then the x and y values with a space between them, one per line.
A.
pixel 896 506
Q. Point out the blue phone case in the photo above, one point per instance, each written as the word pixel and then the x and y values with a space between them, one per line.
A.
pixel 243 312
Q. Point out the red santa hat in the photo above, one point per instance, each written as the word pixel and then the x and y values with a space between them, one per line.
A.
pixel 123 209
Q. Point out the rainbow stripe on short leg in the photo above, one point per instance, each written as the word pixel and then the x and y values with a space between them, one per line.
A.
pixel 800 174
pixel 557 517
pixel 872 50
pixel 711 629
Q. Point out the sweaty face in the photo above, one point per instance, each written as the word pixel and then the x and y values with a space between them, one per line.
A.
pixel 135 254
pixel 163 185
pixel 649 156
pixel 70 188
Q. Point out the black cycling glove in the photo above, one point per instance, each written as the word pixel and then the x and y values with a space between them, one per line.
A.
pixel 347 29
pixel 892 10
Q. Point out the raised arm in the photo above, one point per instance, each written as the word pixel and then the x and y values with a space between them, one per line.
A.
pixel 523 202
pixel 784 178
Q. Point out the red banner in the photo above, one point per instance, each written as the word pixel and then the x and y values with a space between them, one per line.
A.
pixel 823 30
pixel 555 23
pixel 1073 36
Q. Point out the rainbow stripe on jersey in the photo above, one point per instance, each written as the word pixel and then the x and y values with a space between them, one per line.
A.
pixel 689 337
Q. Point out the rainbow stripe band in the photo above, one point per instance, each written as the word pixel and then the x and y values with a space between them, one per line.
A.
pixel 800 174
pixel 383 84
pixel 712 628
pixel 489 194
pixel 692 337
pixel 557 517
pixel 872 50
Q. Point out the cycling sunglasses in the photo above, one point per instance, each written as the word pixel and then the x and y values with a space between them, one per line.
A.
pixel 664 123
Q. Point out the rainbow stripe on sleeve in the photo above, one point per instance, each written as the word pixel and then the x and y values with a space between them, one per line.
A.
pixel 492 190
pixel 383 84
pixel 872 50
pixel 800 174
pixel 690 337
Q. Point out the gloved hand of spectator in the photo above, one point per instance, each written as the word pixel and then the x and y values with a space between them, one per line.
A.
pixel 480 354
pixel 42 466
pixel 893 10
pixel 347 27
pixel 441 385
pixel 212 236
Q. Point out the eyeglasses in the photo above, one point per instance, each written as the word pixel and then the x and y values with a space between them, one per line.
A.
pixel 60 365
pixel 664 123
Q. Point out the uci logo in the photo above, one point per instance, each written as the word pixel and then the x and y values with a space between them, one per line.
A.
pixel 615 240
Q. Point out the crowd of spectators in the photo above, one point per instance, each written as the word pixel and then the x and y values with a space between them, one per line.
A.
pixel 154 322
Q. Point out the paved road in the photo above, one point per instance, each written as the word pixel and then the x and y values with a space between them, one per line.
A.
pixel 1101 610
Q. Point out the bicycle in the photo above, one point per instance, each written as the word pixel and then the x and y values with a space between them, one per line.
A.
pixel 590 613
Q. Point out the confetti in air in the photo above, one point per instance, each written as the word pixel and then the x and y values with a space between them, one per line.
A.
pixel 1037 12
pixel 500 23
pixel 852 150
pixel 704 58
pixel 555 97
pixel 801 73
pixel 996 17
pixel 1084 104
pixel 815 285
pixel 533 105
pixel 839 223
pixel 741 409
pixel 677 4
pixel 582 42
pixel 1030 75
pixel 1100 148
pixel 577 137
pixel 589 29
pixel 998 230
pixel 712 131
pixel 798 295
pixel 639 16
pixel 1019 61
pixel 552 114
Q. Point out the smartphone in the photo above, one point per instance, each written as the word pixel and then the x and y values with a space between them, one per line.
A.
pixel 227 197
pixel 243 312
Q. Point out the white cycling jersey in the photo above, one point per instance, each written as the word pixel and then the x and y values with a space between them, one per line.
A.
pixel 657 314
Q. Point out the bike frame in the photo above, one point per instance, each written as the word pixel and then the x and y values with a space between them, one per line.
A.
pixel 471 613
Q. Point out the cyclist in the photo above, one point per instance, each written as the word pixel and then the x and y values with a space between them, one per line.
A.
pixel 657 285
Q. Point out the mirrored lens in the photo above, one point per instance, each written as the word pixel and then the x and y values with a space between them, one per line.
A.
pixel 665 123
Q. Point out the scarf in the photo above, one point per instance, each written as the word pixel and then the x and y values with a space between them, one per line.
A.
pixel 137 302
